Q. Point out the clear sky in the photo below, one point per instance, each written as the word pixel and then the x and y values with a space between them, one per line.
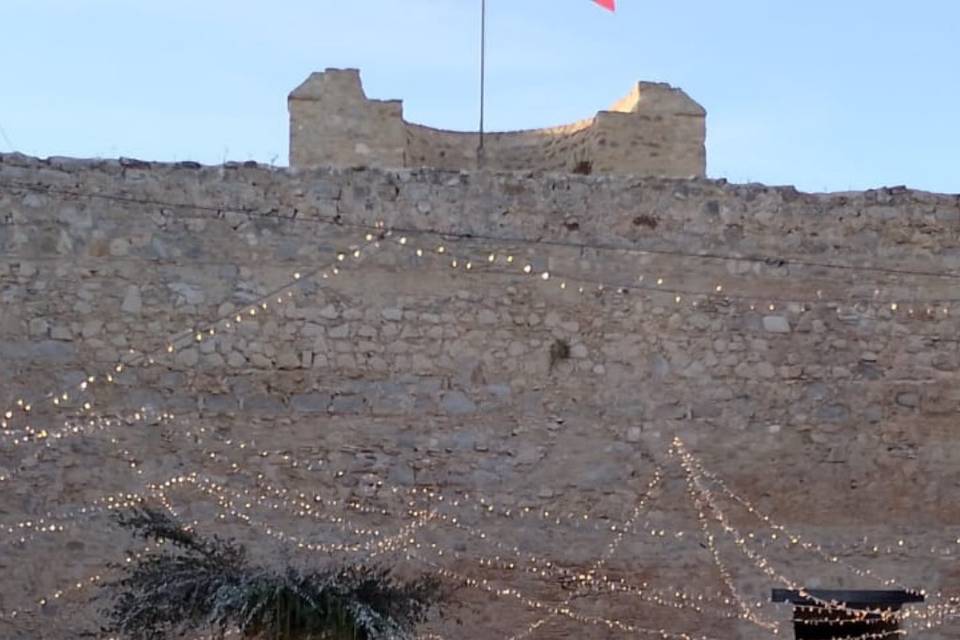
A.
pixel 823 94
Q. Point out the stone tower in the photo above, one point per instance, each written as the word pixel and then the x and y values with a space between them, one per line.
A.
pixel 655 130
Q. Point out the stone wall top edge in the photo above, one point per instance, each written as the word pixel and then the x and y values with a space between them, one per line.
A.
pixel 885 194
pixel 569 127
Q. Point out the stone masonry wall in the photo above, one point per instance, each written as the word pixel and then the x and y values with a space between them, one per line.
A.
pixel 801 345
pixel 655 130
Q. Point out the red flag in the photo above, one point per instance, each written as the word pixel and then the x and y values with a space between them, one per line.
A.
pixel 610 5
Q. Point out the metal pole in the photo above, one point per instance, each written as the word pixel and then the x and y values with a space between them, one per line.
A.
pixel 483 55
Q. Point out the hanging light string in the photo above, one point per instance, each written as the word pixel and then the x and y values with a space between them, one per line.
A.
pixel 407 541
pixel 747 611
pixel 403 539
pixel 76 428
pixel 698 465
pixel 183 340
pixel 482 584
pixel 231 450
pixel 203 331
pixel 778 529
pixel 611 549
pixel 220 492
pixel 702 492
pixel 503 262
pixel 44 526
pixel 601 583
pixel 703 501
pixel 75 587
pixel 410 542
pixel 792 537
pixel 179 339
pixel 218 212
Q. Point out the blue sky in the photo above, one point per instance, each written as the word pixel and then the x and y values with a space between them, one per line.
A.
pixel 823 94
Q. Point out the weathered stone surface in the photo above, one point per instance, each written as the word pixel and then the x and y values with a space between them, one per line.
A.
pixel 311 402
pixel 188 357
pixel 404 371
pixel 457 403
pixel 132 301
pixel 654 130
pixel 908 399
pixel 776 324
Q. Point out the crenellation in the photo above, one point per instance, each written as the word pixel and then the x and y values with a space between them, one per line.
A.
pixel 656 130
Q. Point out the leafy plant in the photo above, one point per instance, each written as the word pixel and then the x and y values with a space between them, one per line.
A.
pixel 209 585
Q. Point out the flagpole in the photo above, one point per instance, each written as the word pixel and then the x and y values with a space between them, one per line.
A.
pixel 483 55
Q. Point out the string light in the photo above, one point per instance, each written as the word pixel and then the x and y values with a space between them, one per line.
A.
pixel 703 496
pixel 177 343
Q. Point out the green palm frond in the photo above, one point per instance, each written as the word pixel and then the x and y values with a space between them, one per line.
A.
pixel 208 585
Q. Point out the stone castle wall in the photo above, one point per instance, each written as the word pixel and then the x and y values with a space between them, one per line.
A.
pixel 655 130
pixel 826 395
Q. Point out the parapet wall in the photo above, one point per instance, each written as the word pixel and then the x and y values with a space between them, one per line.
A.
pixel 803 346
pixel 655 130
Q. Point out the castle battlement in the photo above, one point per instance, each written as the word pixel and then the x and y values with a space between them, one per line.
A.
pixel 655 130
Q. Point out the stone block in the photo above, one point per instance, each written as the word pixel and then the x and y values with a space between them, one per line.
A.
pixel 39 327
pixel 457 403
pixel 392 314
pixel 348 404
pixel 314 402
pixel 187 357
pixel 132 301
pixel 339 331
pixel 776 324
pixel 908 399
